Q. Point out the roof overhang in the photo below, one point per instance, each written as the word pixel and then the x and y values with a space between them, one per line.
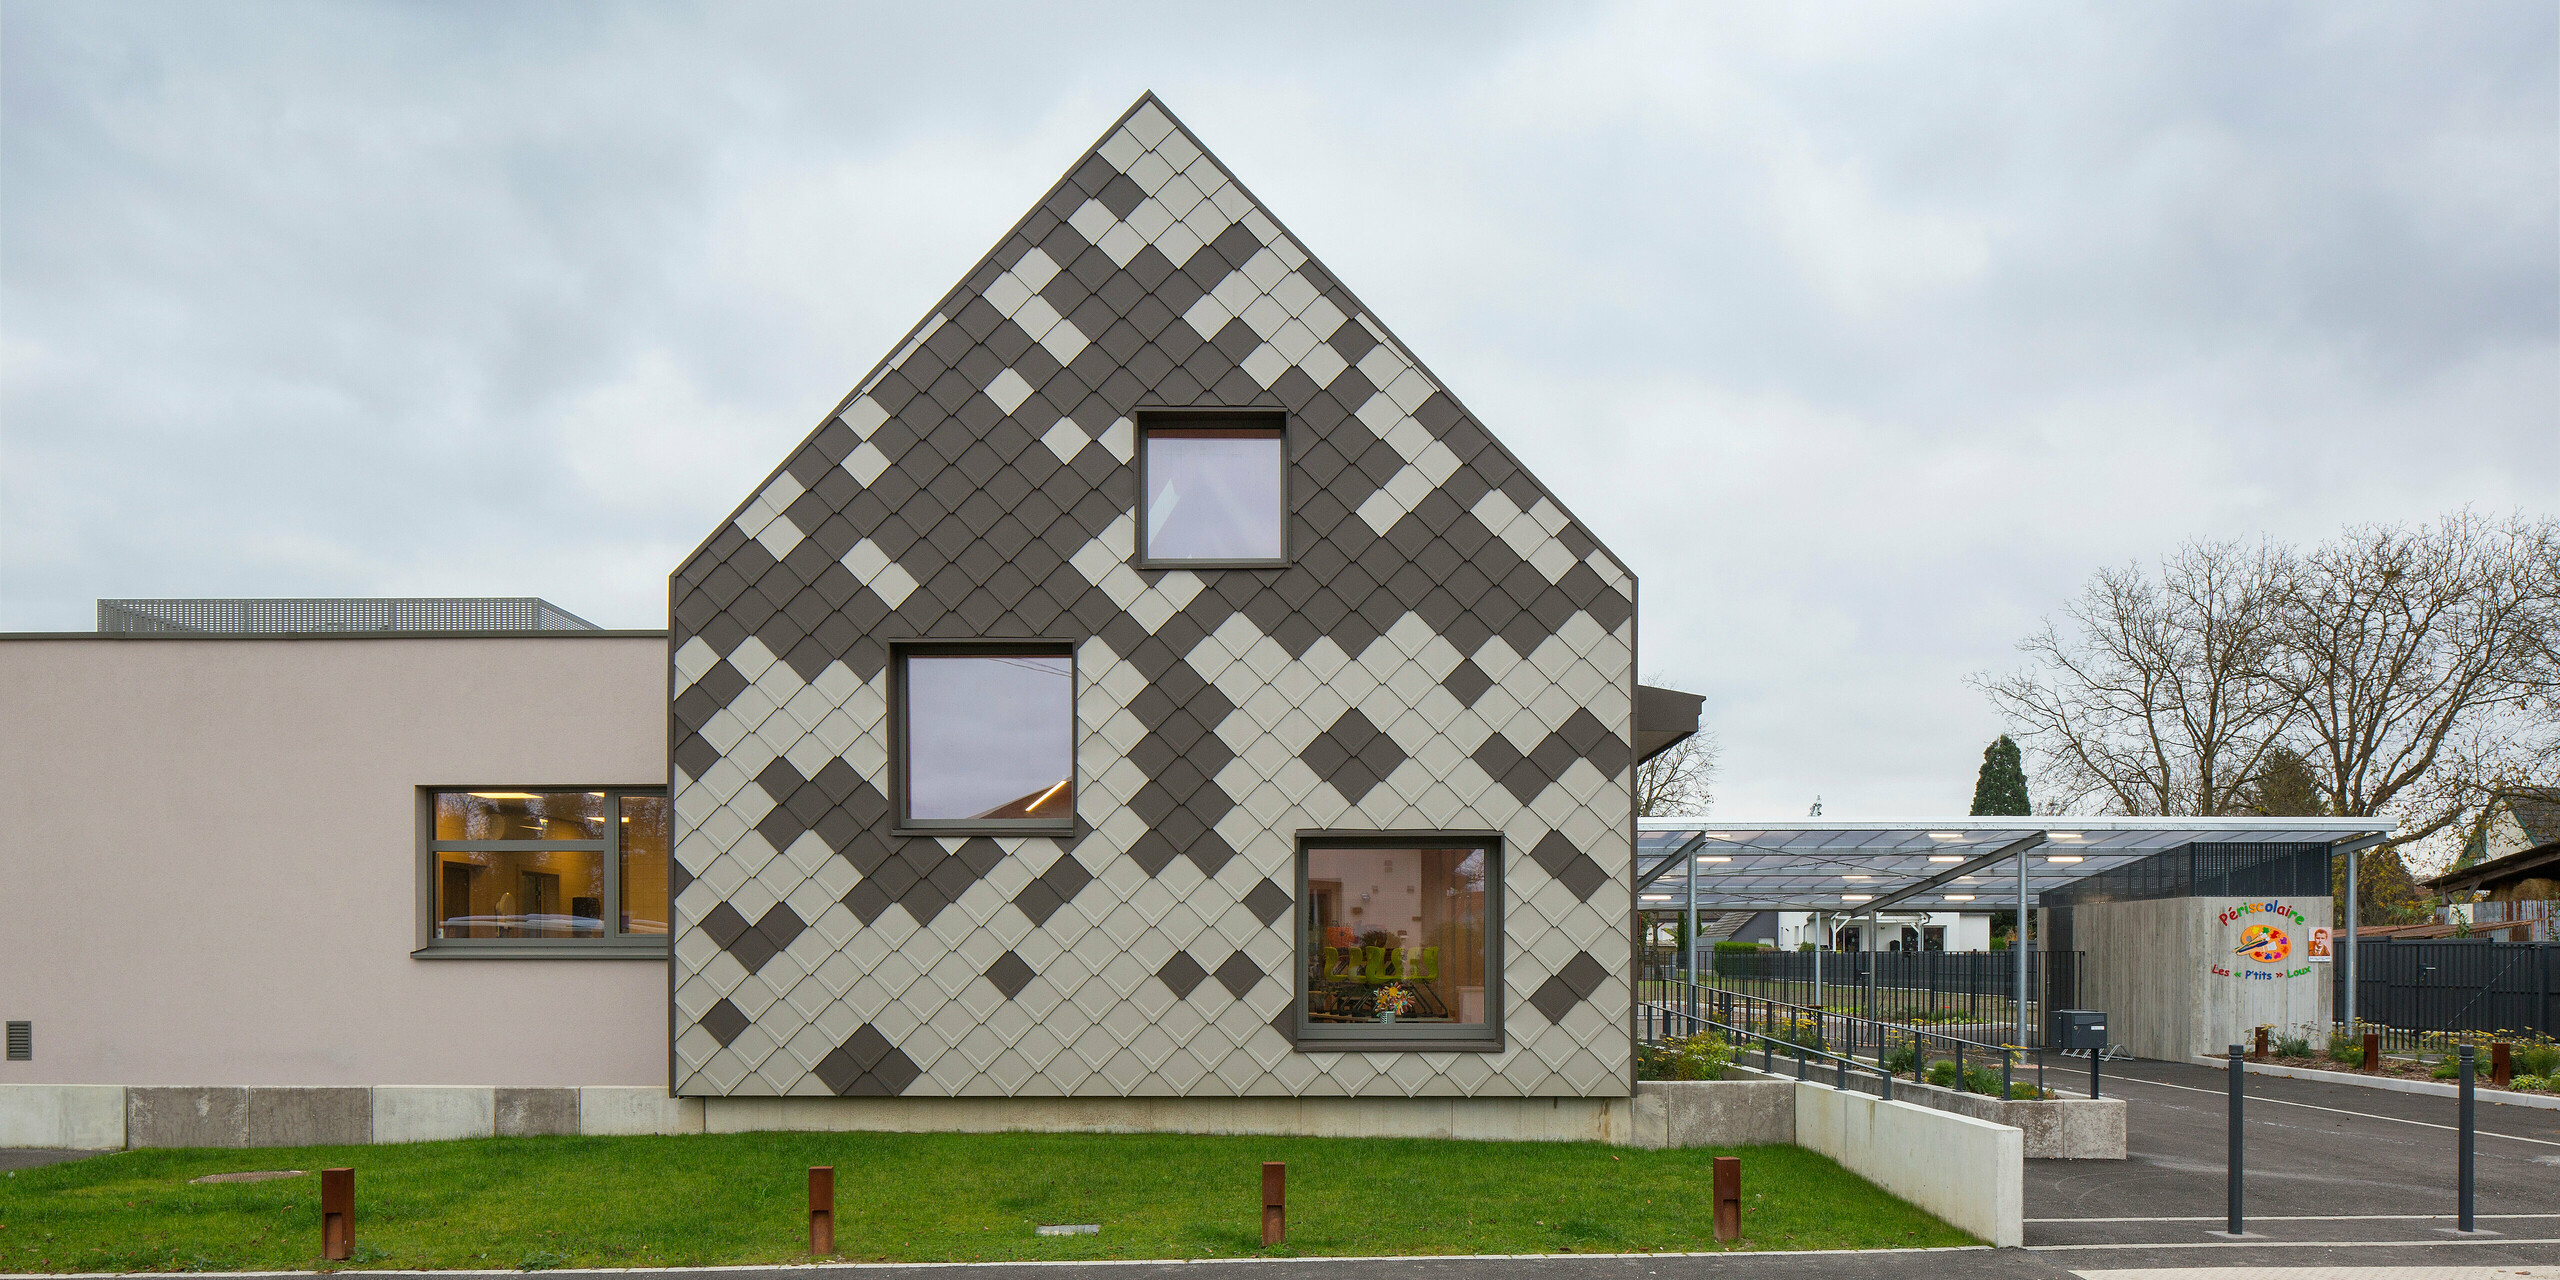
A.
pixel 1945 864
pixel 1663 718
pixel 2544 858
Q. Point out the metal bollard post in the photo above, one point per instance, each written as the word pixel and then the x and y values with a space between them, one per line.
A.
pixel 1960 1066
pixel 337 1214
pixel 2094 1055
pixel 2231 1175
pixel 2008 1074
pixel 1275 1202
pixel 2464 1182
pixel 1728 1198
pixel 822 1209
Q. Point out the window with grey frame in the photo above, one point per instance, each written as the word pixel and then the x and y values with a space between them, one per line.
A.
pixel 1213 489
pixel 565 871
pixel 1399 941
pixel 985 737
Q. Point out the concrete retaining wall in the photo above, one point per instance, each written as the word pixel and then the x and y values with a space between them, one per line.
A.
pixel 1971 1173
pixel 2053 1129
pixel 1713 1113
pixel 106 1117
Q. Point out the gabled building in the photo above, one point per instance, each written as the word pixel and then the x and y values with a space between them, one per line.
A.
pixel 1151 682
pixel 1148 699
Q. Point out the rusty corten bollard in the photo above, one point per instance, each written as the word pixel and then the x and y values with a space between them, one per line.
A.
pixel 1728 1198
pixel 2501 1065
pixel 1275 1202
pixel 2259 1050
pixel 2373 1051
pixel 822 1209
pixel 337 1214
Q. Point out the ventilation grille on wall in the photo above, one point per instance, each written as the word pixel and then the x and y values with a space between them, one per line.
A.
pixel 22 1041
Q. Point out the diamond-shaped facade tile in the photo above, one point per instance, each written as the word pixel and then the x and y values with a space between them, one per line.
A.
pixel 1446 650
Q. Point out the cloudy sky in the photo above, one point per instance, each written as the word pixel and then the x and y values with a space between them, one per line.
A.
pixel 1863 333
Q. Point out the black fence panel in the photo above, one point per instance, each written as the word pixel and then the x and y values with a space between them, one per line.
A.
pixel 1974 989
pixel 2453 984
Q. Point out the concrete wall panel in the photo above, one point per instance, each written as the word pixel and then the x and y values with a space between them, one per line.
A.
pixel 2170 977
pixel 73 1117
pixel 527 1113
pixel 211 840
pixel 1497 1119
pixel 181 1117
pixel 610 1109
pixel 1970 1173
pixel 425 1114
pixel 310 1117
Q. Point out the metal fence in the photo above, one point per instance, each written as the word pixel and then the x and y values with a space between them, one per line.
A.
pixel 2409 990
pixel 293 616
pixel 1972 992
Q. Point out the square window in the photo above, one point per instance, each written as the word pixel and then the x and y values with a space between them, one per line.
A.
pixel 987 737
pixel 545 872
pixel 1399 942
pixel 1214 491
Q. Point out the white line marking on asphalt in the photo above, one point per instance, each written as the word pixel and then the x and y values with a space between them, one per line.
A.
pixel 2286 1102
pixel 2334 1217
pixel 566 1272
pixel 2286 1244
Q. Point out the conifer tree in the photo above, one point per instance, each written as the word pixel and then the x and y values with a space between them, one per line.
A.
pixel 2000 790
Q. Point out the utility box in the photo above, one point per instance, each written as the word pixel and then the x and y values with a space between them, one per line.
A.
pixel 2078 1029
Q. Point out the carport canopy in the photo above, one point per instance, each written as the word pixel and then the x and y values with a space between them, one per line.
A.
pixel 1949 864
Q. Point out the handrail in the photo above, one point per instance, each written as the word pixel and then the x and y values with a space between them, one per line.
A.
pixel 1883 1033
pixel 1841 1065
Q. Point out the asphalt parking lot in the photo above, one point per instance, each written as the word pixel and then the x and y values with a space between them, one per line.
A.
pixel 2336 1174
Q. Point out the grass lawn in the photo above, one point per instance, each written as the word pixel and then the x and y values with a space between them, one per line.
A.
pixel 742 1198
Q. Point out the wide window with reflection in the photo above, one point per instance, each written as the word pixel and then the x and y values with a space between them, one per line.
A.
pixel 1397 940
pixel 987 737
pixel 1214 491
pixel 560 872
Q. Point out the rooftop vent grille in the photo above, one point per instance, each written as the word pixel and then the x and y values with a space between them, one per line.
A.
pixel 281 617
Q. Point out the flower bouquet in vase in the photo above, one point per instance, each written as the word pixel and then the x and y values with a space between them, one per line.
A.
pixel 1393 999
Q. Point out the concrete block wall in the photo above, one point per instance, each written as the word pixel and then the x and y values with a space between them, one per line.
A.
pixel 108 1117
pixel 2167 974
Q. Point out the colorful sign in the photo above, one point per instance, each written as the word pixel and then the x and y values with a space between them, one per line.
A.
pixel 2261 937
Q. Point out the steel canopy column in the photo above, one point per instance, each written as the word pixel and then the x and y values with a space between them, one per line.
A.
pixel 2354 855
pixel 2018 951
pixel 1689 935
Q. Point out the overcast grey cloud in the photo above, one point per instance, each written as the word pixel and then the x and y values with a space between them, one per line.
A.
pixel 1863 333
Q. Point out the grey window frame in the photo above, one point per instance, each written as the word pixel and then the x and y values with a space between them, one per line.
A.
pixel 902 825
pixel 1309 1036
pixel 611 944
pixel 1147 420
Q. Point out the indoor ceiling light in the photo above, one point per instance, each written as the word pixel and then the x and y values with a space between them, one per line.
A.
pixel 1945 857
pixel 504 795
pixel 2062 857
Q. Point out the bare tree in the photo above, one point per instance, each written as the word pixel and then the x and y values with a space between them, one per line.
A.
pixel 2421 664
pixel 2157 696
pixel 1681 780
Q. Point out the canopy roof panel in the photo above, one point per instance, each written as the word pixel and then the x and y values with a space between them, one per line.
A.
pixel 1846 866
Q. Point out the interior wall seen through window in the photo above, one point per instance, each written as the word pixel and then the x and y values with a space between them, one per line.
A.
pixel 1213 493
pixel 1395 935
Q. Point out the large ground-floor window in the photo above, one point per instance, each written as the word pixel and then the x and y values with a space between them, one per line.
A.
pixel 1399 940
pixel 545 872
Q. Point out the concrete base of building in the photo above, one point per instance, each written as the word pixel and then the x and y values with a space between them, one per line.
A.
pixel 1713 1113
pixel 107 1117
pixel 1491 1119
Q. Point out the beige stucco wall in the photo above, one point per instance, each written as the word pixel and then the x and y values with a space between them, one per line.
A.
pixel 209 858
pixel 2168 977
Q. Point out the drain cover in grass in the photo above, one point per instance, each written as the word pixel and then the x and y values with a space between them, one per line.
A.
pixel 1073 1229
pixel 261 1175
